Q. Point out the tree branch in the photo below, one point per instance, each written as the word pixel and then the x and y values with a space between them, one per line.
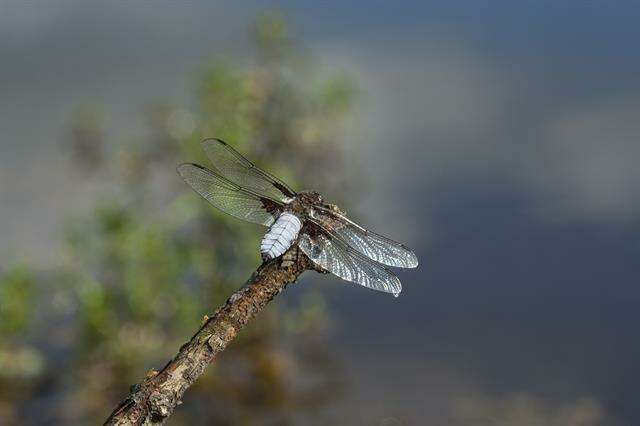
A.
pixel 153 400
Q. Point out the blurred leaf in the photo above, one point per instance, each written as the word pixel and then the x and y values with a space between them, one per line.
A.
pixel 17 286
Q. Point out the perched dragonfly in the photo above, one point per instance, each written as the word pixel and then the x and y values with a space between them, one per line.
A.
pixel 328 238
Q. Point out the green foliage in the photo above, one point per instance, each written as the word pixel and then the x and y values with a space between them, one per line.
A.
pixel 153 258
pixel 16 294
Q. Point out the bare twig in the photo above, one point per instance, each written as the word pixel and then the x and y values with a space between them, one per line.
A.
pixel 153 400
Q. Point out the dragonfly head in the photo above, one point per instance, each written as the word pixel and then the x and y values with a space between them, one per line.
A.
pixel 312 197
pixel 317 197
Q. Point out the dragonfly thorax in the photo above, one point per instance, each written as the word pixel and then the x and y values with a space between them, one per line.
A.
pixel 304 202
pixel 280 236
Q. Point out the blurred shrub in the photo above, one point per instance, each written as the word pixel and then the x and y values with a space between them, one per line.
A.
pixel 152 258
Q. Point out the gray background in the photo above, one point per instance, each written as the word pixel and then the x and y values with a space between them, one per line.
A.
pixel 502 138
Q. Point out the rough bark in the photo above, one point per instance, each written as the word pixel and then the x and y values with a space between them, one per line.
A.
pixel 153 400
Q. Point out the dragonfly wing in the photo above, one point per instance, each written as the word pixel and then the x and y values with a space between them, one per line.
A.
pixel 230 163
pixel 374 246
pixel 229 197
pixel 333 255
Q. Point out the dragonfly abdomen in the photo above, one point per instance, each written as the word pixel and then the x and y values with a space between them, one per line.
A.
pixel 280 236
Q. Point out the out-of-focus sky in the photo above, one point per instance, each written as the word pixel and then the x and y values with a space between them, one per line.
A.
pixel 500 139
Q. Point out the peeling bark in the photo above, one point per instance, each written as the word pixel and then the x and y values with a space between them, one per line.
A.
pixel 152 401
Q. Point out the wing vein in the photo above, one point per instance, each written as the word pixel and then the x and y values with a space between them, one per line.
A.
pixel 332 253
pixel 230 197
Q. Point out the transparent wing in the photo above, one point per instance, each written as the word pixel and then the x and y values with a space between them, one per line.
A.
pixel 229 197
pixel 228 162
pixel 338 258
pixel 374 246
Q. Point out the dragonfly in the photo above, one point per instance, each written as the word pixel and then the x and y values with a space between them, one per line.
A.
pixel 331 240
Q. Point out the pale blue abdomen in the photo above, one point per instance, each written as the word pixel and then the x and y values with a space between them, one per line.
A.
pixel 280 236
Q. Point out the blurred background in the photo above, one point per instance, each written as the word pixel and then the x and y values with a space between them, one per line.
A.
pixel 498 139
